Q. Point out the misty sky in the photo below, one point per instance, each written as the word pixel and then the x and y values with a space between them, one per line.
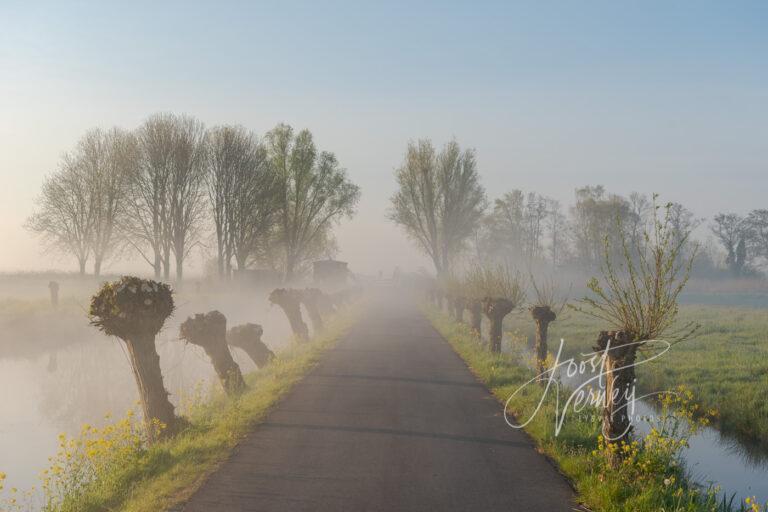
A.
pixel 650 96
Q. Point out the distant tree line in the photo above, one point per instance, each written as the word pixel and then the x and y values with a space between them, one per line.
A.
pixel 442 206
pixel 171 184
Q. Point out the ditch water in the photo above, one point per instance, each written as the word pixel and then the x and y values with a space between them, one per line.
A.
pixel 48 391
pixel 712 458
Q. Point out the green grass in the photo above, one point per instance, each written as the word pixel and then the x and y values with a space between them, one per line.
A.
pixel 169 472
pixel 725 363
pixel 574 449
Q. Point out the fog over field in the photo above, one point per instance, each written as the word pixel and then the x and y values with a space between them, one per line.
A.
pixel 390 202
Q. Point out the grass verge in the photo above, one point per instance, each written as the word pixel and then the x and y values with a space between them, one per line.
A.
pixel 653 480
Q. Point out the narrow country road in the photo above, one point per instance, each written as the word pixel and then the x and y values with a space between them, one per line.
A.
pixel 390 420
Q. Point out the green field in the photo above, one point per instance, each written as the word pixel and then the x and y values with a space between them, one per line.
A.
pixel 725 363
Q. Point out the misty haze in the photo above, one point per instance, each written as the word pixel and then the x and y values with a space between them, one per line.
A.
pixel 386 257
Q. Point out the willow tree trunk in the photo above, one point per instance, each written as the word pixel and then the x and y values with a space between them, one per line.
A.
pixel 542 316
pixel 152 394
pixel 496 310
pixel 620 355
pixel 458 309
pixel 209 331
pixel 476 317
pixel 314 315
pixel 259 353
pixel 289 301
pixel 53 287
pixel 226 368
pixel 248 338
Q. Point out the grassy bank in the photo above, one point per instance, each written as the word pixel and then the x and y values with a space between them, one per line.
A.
pixel 651 480
pixel 724 364
pixel 110 468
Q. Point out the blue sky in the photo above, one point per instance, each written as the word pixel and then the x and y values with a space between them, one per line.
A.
pixel 651 96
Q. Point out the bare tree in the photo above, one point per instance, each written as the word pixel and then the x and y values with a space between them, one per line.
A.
pixel 732 231
pixel 440 200
pixel 536 212
pixel 149 197
pixel 187 192
pixel 224 157
pixel 167 193
pixel 595 216
pixel 241 190
pixel 65 213
pixel 758 226
pixel 682 222
pixel 110 162
pixel 557 226
pixel 506 228
pixel 640 207
pixel 313 192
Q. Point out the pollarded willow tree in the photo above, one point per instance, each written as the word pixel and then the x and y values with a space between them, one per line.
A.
pixel 547 304
pixel 209 331
pixel 638 298
pixel 474 292
pixel 318 305
pixel 313 192
pixel 289 300
pixel 247 337
pixel 452 288
pixel 440 201
pixel 135 310
pixel 503 290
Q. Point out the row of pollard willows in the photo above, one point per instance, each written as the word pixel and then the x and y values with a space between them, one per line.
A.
pixel 495 292
pixel 317 303
pixel 638 297
pixel 135 311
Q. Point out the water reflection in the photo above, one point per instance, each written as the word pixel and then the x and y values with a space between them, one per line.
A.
pixel 712 458
pixel 57 373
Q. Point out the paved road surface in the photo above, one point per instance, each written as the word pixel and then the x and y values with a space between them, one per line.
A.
pixel 390 420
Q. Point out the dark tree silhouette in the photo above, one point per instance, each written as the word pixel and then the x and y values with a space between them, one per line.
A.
pixel 247 337
pixel 209 331
pixel 289 301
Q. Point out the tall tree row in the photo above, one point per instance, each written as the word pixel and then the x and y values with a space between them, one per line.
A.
pixel 441 206
pixel 163 188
